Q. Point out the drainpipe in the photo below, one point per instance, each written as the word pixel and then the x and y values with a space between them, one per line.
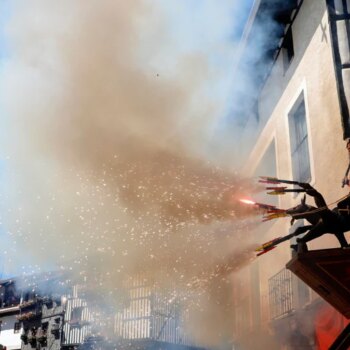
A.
pixel 339 27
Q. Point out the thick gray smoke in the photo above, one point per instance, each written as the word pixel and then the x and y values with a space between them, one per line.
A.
pixel 104 165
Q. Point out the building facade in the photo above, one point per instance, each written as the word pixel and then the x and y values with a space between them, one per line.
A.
pixel 54 311
pixel 296 119
pixel 152 314
pixel 10 327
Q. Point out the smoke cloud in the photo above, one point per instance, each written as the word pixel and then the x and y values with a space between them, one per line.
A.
pixel 104 166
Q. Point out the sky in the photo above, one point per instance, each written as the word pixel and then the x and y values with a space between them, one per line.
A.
pixel 211 27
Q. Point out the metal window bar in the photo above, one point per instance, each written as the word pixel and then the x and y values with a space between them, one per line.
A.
pixel 281 294
pixel 152 314
pixel 299 144
pixel 301 161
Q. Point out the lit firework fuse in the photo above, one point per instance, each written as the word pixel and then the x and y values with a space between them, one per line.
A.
pixel 258 205
pixel 271 211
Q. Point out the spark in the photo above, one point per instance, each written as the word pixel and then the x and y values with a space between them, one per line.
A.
pixel 247 201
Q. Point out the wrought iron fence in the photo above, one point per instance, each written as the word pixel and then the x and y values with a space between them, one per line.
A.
pixel 281 294
pixel 152 314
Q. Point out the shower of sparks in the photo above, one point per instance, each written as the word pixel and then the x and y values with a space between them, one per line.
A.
pixel 114 186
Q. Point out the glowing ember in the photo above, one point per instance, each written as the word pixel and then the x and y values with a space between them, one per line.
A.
pixel 247 201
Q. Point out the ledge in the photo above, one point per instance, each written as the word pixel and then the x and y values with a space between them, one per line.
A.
pixel 6 311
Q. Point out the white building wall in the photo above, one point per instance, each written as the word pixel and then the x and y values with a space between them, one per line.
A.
pixel 8 337
pixel 311 72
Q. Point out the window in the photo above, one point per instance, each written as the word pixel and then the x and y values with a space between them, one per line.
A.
pixel 76 314
pixel 299 142
pixel 11 297
pixel 17 327
pixel 287 49
pixel 45 326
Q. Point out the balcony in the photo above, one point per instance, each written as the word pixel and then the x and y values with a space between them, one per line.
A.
pixel 327 272
pixel 281 294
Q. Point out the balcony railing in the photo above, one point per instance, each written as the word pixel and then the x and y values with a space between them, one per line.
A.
pixel 281 294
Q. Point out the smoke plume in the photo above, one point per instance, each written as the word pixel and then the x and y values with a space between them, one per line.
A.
pixel 104 168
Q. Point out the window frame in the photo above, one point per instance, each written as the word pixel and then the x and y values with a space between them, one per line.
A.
pixel 299 141
pixel 17 327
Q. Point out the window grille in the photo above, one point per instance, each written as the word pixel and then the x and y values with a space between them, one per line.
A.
pixel 152 314
pixel 299 144
pixel 281 294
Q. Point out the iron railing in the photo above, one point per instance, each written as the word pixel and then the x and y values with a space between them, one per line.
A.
pixel 152 314
pixel 281 294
